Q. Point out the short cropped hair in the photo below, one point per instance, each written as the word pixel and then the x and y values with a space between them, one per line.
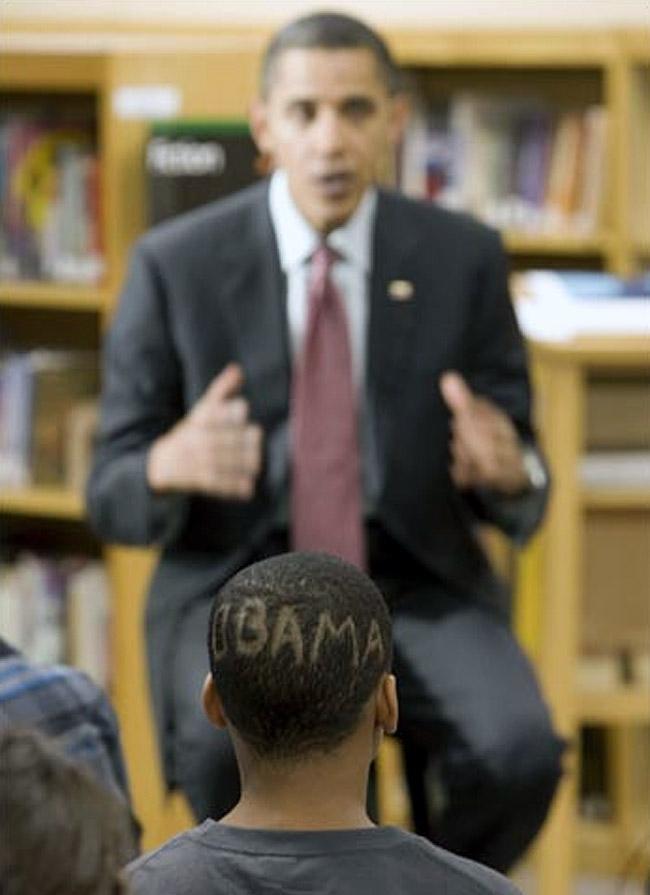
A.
pixel 329 31
pixel 297 645
pixel 63 833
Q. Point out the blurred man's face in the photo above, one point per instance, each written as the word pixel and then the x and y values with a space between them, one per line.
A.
pixel 329 121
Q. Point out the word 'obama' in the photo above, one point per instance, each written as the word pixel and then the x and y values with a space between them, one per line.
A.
pixel 246 629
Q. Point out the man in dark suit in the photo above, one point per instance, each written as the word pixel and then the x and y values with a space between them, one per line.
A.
pixel 196 451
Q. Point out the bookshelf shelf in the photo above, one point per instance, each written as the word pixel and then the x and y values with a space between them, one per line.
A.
pixel 622 705
pixel 642 246
pixel 498 49
pixel 598 352
pixel 55 296
pixel 567 244
pixel 583 518
pixel 616 499
pixel 53 503
pixel 81 73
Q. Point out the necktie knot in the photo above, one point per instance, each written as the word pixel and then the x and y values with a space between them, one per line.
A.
pixel 322 261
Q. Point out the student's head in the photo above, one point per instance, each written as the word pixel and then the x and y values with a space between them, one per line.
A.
pixel 300 654
pixel 62 833
pixel 328 113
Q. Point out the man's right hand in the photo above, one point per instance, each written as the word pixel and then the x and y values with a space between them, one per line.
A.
pixel 214 449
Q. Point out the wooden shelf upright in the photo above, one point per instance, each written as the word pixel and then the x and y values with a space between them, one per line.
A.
pixel 562 374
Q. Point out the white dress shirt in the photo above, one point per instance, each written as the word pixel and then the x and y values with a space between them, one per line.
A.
pixel 297 241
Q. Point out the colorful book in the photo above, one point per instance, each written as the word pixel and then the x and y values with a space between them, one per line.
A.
pixel 39 390
pixel 57 609
pixel 49 216
pixel 16 400
pixel 517 163
pixel 88 618
pixel 61 380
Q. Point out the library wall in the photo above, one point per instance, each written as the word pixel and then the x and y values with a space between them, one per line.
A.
pixel 486 13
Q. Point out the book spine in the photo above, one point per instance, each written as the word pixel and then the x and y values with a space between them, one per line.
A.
pixel 591 189
pixel 58 610
pixel 48 224
pixel 16 378
pixel 518 164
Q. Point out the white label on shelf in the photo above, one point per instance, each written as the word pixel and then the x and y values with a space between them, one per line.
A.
pixel 147 101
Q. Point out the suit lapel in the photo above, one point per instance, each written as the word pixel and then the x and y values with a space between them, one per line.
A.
pixel 256 297
pixel 392 309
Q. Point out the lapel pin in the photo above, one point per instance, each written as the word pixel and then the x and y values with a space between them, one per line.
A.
pixel 400 290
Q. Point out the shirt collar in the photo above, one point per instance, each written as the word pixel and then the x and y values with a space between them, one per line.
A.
pixel 297 239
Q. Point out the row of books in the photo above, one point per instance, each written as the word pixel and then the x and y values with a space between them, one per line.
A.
pixel 50 225
pixel 517 164
pixel 57 610
pixel 47 417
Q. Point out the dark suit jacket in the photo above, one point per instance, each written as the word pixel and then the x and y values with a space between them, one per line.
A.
pixel 207 289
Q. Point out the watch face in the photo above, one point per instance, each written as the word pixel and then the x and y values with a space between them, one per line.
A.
pixel 535 469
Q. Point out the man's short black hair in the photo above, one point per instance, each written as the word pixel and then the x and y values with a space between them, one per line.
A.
pixel 297 644
pixel 62 831
pixel 329 31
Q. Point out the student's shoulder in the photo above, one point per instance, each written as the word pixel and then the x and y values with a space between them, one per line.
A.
pixel 176 866
pixel 463 877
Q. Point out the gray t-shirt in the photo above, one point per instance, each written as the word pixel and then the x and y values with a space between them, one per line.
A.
pixel 214 859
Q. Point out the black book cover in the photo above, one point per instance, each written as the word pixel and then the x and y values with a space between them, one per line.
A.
pixel 189 163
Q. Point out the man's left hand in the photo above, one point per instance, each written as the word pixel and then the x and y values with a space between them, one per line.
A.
pixel 485 447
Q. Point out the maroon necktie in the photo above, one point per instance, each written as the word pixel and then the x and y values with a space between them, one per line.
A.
pixel 326 486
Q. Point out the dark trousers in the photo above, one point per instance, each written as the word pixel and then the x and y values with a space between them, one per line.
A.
pixel 482 759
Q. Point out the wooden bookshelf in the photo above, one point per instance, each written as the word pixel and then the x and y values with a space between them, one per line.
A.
pixel 599 841
pixel 611 67
pixel 49 72
pixel 631 174
pixel 55 296
pixel 566 244
pixel 616 353
pixel 619 705
pixel 506 48
pixel 615 498
pixel 641 246
pixel 52 503
pixel 619 846
pixel 563 373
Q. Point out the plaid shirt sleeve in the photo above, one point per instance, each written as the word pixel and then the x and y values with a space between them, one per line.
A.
pixel 68 706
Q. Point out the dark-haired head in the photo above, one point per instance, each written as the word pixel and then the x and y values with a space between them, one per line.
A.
pixel 298 644
pixel 63 834
pixel 329 31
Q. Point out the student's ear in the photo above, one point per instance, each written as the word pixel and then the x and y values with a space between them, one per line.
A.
pixel 212 703
pixel 387 712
